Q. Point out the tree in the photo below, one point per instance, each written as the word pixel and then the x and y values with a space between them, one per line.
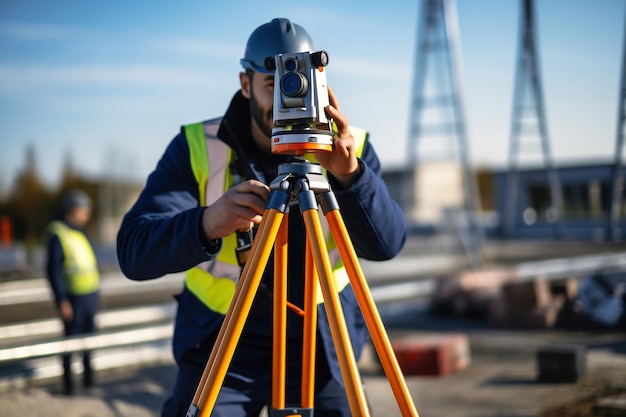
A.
pixel 30 202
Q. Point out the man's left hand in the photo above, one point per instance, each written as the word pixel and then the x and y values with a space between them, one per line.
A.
pixel 342 162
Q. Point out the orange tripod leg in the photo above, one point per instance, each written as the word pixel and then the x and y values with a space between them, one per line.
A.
pixel 336 319
pixel 279 344
pixel 370 314
pixel 309 338
pixel 203 380
pixel 237 314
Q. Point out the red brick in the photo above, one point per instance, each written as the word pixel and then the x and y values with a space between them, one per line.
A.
pixel 432 354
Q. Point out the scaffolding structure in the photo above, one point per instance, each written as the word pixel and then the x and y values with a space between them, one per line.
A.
pixel 616 208
pixel 528 123
pixel 438 114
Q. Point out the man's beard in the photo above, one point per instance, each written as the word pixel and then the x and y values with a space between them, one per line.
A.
pixel 263 119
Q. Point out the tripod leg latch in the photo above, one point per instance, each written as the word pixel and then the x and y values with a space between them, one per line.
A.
pixel 193 411
pixel 291 412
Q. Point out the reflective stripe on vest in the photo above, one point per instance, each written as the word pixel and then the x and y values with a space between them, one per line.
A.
pixel 213 282
pixel 80 267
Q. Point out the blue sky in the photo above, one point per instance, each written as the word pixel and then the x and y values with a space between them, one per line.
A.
pixel 108 84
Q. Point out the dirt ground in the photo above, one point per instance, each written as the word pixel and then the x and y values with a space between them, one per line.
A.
pixel 588 406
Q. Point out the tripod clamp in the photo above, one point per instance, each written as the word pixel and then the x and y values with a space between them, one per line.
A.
pixel 292 412
pixel 305 180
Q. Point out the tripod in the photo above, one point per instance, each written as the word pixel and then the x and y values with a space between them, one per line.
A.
pixel 304 181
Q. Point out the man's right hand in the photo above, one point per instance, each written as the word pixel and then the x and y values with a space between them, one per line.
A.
pixel 66 311
pixel 239 209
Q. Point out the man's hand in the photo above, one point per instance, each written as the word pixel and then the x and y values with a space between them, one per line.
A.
pixel 342 161
pixel 66 311
pixel 239 209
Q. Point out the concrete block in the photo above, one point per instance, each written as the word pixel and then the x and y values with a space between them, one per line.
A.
pixel 484 278
pixel 432 354
pixel 561 363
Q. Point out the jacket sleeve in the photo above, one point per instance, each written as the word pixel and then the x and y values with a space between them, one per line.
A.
pixel 161 233
pixel 54 269
pixel 373 219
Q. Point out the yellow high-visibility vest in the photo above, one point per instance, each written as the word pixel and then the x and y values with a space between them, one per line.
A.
pixel 80 268
pixel 213 282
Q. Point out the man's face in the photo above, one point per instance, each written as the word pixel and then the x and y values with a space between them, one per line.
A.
pixel 79 216
pixel 259 89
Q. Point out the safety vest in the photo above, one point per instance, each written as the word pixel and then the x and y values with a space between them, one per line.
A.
pixel 213 282
pixel 80 268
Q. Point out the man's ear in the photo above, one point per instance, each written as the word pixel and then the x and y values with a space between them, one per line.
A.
pixel 245 82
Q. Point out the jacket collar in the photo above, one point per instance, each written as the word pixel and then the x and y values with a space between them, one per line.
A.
pixel 235 132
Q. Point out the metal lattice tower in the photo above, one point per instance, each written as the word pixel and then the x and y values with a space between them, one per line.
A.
pixel 437 114
pixel 617 181
pixel 528 102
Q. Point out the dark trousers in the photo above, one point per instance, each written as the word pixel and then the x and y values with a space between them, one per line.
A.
pixel 83 322
pixel 247 387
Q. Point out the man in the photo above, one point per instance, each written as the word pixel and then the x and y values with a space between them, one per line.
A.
pixel 72 271
pixel 195 205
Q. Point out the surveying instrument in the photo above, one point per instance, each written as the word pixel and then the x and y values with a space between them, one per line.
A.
pixel 303 182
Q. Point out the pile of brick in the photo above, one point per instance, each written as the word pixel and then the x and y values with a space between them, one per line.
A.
pixel 536 303
pixel 500 297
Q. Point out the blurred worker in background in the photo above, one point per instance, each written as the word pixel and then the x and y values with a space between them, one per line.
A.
pixel 72 271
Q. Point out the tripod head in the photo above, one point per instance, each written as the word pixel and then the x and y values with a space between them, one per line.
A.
pixel 301 169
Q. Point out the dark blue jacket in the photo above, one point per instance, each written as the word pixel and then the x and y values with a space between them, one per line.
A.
pixel 162 234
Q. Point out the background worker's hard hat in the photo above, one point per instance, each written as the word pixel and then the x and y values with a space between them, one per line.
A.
pixel 280 36
pixel 75 198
